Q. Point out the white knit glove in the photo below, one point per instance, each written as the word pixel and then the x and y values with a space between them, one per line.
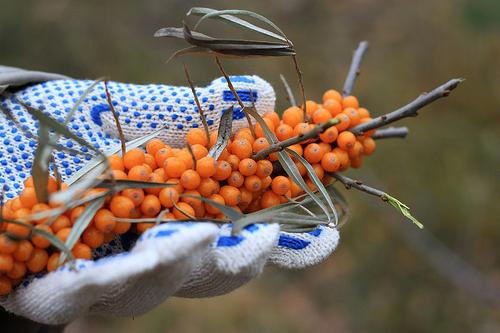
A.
pixel 181 259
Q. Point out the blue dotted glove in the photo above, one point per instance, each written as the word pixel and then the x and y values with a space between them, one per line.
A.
pixel 186 260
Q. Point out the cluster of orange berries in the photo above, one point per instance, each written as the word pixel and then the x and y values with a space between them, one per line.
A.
pixel 235 179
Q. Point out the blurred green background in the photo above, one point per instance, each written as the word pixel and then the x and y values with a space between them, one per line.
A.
pixel 386 275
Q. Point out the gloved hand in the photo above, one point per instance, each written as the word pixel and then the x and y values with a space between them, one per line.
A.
pixel 181 259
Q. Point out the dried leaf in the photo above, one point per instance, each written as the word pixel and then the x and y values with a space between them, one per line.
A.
pixel 223 134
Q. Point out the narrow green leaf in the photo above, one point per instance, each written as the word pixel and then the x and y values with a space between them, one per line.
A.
pixel 81 223
pixel 41 161
pixel 219 13
pixel 199 11
pixel 314 178
pixel 120 184
pixel 404 209
pixel 81 99
pixel 223 134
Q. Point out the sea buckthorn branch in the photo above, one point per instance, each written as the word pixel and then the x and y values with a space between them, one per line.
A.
pixel 314 133
pixel 354 69
pixel 391 132
pixel 409 110
pixel 351 183
pixel 240 102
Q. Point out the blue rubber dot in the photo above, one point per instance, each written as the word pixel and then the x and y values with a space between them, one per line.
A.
pixel 204 99
pixel 144 106
pixel 170 107
pixel 210 122
pixel 153 125
pixel 194 125
pixel 139 125
pixel 211 107
pixel 180 126
pixel 174 116
pixel 127 120
pixel 183 109
pixel 136 114
pixel 189 118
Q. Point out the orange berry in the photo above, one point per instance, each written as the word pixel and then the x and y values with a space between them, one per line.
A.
pixel 6 263
pixel 38 260
pixel 269 199
pixel 139 173
pixel 93 237
pixel 206 167
pixel 28 197
pixel 142 227
pixel 18 270
pixel 213 138
pixel 60 223
pixel 318 170
pixel 16 204
pixel 116 162
pixel 197 204
pixel 301 167
pixel 357 162
pixel 151 205
pixel 133 157
pixel 162 155
pixel 274 117
pixel 246 196
pixel 5 285
pixel 122 227
pixel 38 208
pixel 332 94
pixel 19 231
pixel 313 153
pixel 186 213
pixel 253 183
pixel 280 185
pixel 346 140
pixel 52 185
pixel 217 198
pixel 118 174
pixel 168 197
pixel 293 116
pixel 199 151
pixel 29 182
pixel 150 161
pixel 330 162
pixel 223 170
pixel 356 150
pixel 369 146
pixel 75 213
pixel 134 194
pixel 244 133
pixel 321 115
pixel 190 179
pixel 345 122
pixel 7 245
pixel 260 144
pixel 241 148
pixel 353 116
pixel 296 148
pixel 82 251
pixel 197 136
pixel 264 168
pixel 284 132
pixel 209 186
pixel 342 156
pixel 350 102
pixel 333 106
pixel 39 240
pixel 104 220
pixel 186 157
pixel 311 185
pixel 231 195
pixel 259 131
pixel 363 113
pixel 234 161
pixel 266 182
pixel 329 135
pixel 235 179
pixel 247 167
pixel 174 167
pixel 311 106
pixel 223 156
pixel 160 172
pixel 154 178
pixel 121 206
pixel 53 262
pixel 295 189
pixel 301 128
pixel 63 234
pixel 154 145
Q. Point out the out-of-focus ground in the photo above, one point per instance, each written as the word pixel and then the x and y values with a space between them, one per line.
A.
pixel 447 169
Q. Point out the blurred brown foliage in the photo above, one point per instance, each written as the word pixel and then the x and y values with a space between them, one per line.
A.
pixel 447 170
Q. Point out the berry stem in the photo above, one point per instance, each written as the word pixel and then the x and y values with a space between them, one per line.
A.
pixel 352 183
pixel 391 132
pixel 354 69
pixel 117 121
pixel 314 133
pixel 409 110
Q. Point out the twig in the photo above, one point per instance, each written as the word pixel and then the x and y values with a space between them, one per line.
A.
pixel 198 104
pixel 57 175
pixel 354 69
pixel 301 84
pixel 391 132
pixel 409 110
pixel 296 139
pixel 351 183
pixel 289 92
pixel 240 102
pixel 117 121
